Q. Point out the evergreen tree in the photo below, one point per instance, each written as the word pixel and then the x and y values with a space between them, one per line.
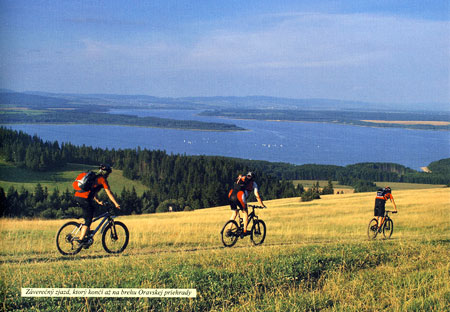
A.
pixel 2 202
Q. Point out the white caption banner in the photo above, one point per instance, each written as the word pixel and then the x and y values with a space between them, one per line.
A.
pixel 110 292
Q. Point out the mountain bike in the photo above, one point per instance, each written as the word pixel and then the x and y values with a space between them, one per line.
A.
pixel 386 228
pixel 115 235
pixel 231 231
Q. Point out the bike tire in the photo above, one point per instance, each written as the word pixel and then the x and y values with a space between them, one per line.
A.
pixel 258 233
pixel 115 237
pixel 372 229
pixel 65 239
pixel 388 228
pixel 229 233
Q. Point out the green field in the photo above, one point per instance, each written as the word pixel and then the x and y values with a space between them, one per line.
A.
pixel 316 257
pixel 62 179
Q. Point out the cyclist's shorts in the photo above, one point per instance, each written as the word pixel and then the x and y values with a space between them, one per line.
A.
pixel 237 200
pixel 88 209
pixel 380 205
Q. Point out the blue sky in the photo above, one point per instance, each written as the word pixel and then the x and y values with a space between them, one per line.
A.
pixel 376 51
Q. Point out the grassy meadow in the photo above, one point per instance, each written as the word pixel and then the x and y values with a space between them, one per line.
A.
pixel 316 256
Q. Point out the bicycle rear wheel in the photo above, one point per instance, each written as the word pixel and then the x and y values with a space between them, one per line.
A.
pixel 372 230
pixel 388 228
pixel 230 233
pixel 115 237
pixel 66 239
pixel 258 232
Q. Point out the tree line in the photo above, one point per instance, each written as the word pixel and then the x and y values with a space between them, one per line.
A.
pixel 361 175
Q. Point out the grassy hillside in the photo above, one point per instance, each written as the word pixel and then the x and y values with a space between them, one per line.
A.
pixel 316 257
pixel 348 189
pixel 61 179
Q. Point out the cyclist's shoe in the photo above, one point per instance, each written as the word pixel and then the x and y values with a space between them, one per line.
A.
pixel 88 243
pixel 85 242
pixel 243 234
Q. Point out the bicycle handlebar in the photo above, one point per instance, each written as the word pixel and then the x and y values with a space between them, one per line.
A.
pixel 255 206
pixel 111 208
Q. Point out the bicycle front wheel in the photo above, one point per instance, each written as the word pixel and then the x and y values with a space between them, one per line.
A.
pixel 388 228
pixel 372 230
pixel 258 232
pixel 230 233
pixel 66 239
pixel 115 237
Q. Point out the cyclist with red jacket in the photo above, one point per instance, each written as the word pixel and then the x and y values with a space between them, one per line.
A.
pixel 85 198
pixel 380 202
pixel 242 189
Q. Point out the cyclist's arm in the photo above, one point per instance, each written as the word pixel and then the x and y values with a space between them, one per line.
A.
pixel 258 197
pixel 395 206
pixel 97 200
pixel 393 202
pixel 111 197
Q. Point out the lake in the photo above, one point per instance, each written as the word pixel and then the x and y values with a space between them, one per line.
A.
pixel 290 142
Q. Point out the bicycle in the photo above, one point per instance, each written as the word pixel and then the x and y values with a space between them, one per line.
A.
pixel 115 235
pixel 387 227
pixel 231 231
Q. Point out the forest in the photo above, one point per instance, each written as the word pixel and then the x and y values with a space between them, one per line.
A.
pixel 179 181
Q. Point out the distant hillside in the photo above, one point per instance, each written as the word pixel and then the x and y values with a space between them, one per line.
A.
pixel 234 102
pixel 233 107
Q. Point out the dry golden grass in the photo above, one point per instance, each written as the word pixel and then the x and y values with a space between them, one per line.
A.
pixel 316 256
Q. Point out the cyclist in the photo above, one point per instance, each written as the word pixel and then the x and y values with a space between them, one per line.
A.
pixel 380 202
pixel 85 199
pixel 243 186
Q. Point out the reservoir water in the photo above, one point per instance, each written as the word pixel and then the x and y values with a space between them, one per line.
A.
pixel 290 142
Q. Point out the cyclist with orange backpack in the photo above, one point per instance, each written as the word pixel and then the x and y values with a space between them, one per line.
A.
pixel 380 202
pixel 85 197
pixel 242 188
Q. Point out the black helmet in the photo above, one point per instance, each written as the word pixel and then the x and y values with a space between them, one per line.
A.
pixel 250 175
pixel 387 189
pixel 104 170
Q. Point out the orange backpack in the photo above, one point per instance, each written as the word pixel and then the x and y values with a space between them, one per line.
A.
pixel 84 181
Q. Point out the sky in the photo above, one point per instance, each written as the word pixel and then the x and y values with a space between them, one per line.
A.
pixel 394 51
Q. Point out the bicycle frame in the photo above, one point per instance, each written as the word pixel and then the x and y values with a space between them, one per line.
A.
pixel 107 218
pixel 386 216
pixel 251 216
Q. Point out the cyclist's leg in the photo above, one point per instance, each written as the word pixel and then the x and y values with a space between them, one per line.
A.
pixel 233 198
pixel 88 214
pixel 243 205
pixel 379 211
